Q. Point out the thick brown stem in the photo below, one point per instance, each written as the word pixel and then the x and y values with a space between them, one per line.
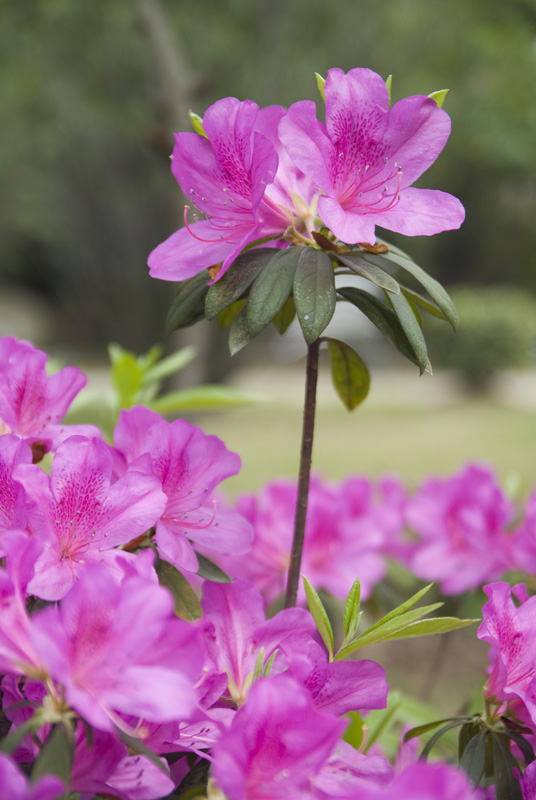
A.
pixel 305 472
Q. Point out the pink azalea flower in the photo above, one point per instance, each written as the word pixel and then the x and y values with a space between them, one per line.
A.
pixel 15 784
pixel 424 781
pixel 510 630
pixel 237 633
pixel 33 403
pixel 528 782
pixel 524 539
pixel 346 530
pixel 367 155
pixel 79 515
pixel 461 522
pixel 189 465
pixel 13 514
pixel 225 175
pixel 120 650
pixel 276 745
pixel 17 652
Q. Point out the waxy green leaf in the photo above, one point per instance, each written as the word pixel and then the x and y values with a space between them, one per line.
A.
pixel 189 304
pixel 199 397
pixel 383 317
pixel 506 784
pixel 236 280
pixel 187 605
pixel 420 730
pixel 439 96
pixel 319 615
pixel 418 300
pixel 349 373
pixel 351 610
pixel 210 571
pixel 412 329
pixel 239 333
pixel 197 123
pixel 438 294
pixel 314 292
pixel 369 271
pixel 437 736
pixel 473 760
pixel 428 627
pixel 320 82
pixel 285 317
pixel 271 289
pixel 56 756
pixel 389 630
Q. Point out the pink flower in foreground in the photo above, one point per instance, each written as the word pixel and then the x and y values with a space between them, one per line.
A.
pixel 189 465
pixel 423 781
pixel 511 632
pixel 237 634
pixel 15 785
pixel 33 403
pixel 281 746
pixel 13 513
pixel 461 523
pixel 367 155
pixel 524 539
pixel 120 650
pixel 79 515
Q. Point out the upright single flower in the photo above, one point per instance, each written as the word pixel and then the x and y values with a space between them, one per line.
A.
pixel 366 156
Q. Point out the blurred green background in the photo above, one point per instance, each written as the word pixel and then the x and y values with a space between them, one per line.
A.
pixel 93 90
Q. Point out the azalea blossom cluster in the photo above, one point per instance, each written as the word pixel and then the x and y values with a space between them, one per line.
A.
pixel 258 174
pixel 258 700
pixel 460 531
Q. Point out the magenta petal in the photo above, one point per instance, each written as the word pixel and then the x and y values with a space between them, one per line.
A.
pixel 352 685
pixel 224 532
pixel 307 144
pixel 422 212
pixel 137 778
pixel 346 225
pixel 183 255
pixel 174 547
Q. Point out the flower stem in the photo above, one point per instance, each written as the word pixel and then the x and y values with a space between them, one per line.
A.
pixel 311 377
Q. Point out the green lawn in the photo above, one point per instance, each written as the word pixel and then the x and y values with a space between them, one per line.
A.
pixel 372 440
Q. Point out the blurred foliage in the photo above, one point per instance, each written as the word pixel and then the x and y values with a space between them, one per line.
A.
pixel 497 330
pixel 92 90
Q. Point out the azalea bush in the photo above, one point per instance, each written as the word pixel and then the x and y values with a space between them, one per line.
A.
pixel 143 647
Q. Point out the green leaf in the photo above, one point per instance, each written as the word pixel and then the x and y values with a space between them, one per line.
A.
pixel 420 730
pixel 421 301
pixel 349 374
pixel 285 317
pixel 412 329
pixel 388 83
pixel 319 615
pixel 56 756
pixel 370 271
pixel 382 317
pixel 314 292
pixel 137 746
pixel 473 760
pixel 402 608
pixel 438 294
pixel 14 737
pixel 467 732
pixel 351 610
pixel 189 304
pixel 258 669
pixel 354 733
pixel 239 333
pixel 439 96
pixel 127 375
pixel 187 605
pixel 226 317
pixel 388 630
pixel 428 627
pixel 210 571
pixel 270 663
pixel 506 784
pixel 168 366
pixel 199 397
pixel 236 280
pixel 197 123
pixel 320 81
pixel 271 288
pixel 436 737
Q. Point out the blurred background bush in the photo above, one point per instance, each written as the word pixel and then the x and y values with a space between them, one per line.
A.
pixel 92 91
